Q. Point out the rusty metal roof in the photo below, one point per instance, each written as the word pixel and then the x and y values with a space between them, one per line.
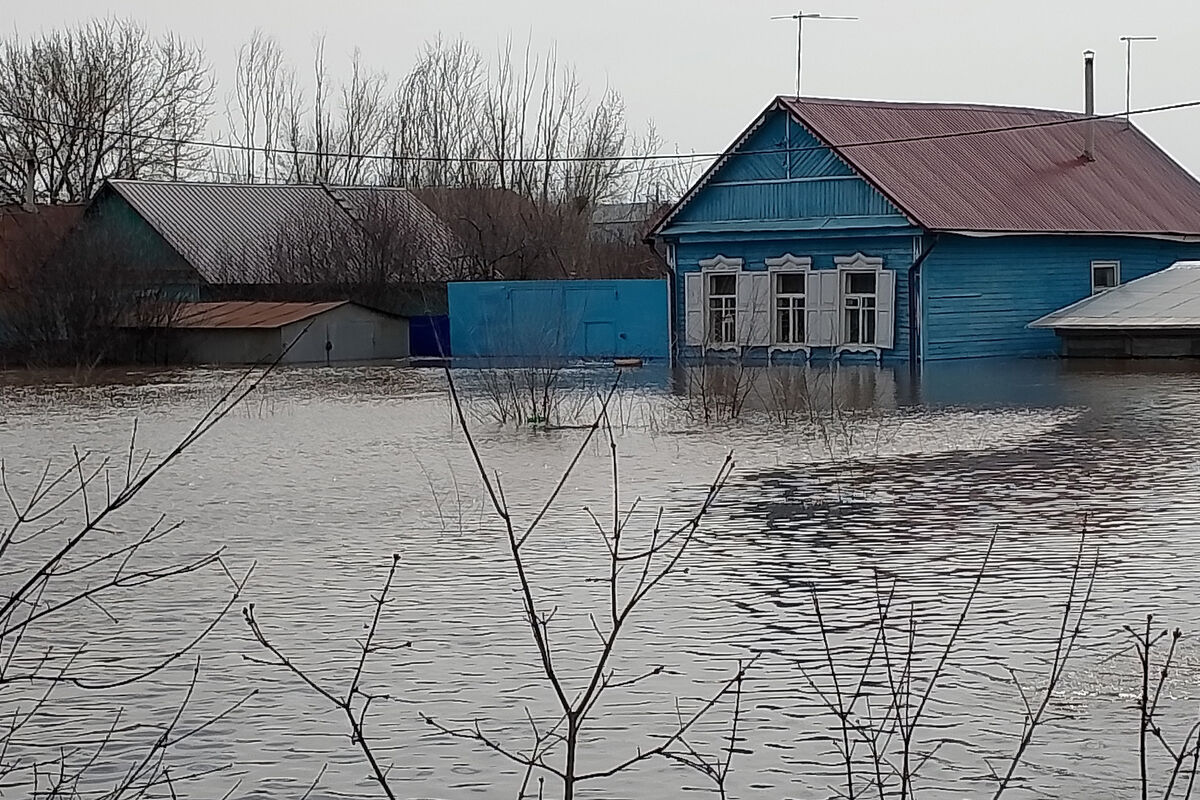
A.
pixel 232 233
pixel 1165 300
pixel 947 175
pixel 243 314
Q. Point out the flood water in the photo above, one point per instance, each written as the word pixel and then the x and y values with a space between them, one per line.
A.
pixel 324 473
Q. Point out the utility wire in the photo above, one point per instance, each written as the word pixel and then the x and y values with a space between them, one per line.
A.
pixel 396 157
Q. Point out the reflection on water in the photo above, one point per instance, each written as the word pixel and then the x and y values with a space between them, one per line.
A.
pixel 328 471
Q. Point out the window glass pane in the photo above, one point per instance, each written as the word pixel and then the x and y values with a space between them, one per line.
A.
pixel 791 284
pixel 723 284
pixel 1104 277
pixel 860 282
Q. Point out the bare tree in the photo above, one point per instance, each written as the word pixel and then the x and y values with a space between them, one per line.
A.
pixel 98 101
pixel 264 88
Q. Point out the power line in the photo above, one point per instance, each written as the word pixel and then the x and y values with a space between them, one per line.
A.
pixel 406 158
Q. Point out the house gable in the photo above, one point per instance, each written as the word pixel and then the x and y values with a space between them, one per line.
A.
pixel 115 225
pixel 779 176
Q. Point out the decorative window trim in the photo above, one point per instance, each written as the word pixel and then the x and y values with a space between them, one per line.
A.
pixel 807 350
pixel 721 263
pixel 787 264
pixel 859 263
pixel 859 348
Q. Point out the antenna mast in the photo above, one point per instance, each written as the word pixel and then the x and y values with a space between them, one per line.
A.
pixel 800 16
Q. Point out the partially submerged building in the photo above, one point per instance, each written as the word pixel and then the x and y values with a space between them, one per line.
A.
pixel 379 247
pixel 256 332
pixel 901 232
pixel 1154 316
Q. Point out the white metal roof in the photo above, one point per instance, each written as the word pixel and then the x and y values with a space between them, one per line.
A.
pixel 1169 299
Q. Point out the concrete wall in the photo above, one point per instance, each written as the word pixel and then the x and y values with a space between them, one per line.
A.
pixel 354 333
pixel 223 346
pixel 559 319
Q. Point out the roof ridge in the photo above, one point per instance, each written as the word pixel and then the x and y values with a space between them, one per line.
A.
pixel 240 185
pixel 994 108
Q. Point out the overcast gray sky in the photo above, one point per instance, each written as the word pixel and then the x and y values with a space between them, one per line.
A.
pixel 702 69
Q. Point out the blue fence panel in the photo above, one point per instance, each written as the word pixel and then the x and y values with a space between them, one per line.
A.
pixel 429 336
pixel 559 319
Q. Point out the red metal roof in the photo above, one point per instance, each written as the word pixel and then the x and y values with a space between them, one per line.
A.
pixel 241 314
pixel 1032 179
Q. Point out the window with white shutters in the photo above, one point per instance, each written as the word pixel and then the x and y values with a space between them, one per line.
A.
pixel 693 323
pixel 821 308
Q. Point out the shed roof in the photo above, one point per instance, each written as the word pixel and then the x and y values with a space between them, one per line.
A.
pixel 243 314
pixel 1169 299
pixel 230 232
pixel 999 169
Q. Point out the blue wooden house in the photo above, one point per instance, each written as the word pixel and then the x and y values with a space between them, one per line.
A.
pixel 903 232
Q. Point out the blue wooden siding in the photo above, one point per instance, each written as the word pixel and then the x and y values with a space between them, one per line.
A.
pixel 978 294
pixel 782 173
pixel 896 251
pixel 559 319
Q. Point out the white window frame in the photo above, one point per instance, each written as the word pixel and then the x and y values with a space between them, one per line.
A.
pixel 709 267
pixel 788 264
pixel 1116 268
pixel 847 265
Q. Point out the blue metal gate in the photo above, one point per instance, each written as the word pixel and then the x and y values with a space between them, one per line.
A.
pixel 559 319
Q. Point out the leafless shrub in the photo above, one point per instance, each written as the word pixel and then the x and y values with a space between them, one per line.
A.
pixel 635 569
pixel 716 390
pixel 882 739
pixel 56 567
pixel 355 701
pixel 532 395
pixel 1183 756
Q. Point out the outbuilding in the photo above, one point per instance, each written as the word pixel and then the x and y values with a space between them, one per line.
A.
pixel 1154 316
pixel 904 232
pixel 250 332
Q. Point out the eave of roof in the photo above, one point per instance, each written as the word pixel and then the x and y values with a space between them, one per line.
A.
pixel 248 314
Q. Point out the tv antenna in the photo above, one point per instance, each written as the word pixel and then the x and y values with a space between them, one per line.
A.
pixel 800 16
pixel 1129 40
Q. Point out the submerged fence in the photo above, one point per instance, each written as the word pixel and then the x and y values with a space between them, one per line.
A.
pixel 559 319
